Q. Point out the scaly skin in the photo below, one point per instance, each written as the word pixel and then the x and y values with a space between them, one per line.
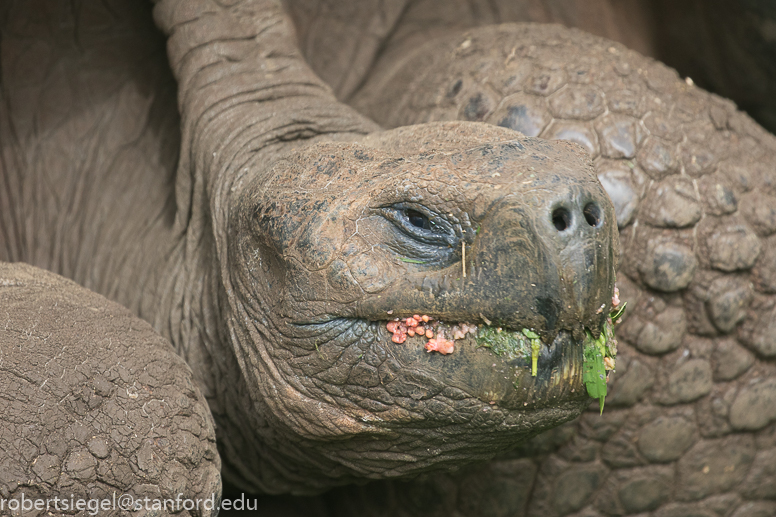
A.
pixel 230 65
pixel 690 423
pixel 290 242
pixel 106 409
pixel 309 239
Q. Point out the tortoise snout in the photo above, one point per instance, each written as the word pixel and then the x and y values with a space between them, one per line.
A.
pixel 579 231
pixel 557 249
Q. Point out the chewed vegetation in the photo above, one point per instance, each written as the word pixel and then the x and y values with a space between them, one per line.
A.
pixel 600 353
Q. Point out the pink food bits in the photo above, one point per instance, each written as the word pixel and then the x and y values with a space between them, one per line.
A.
pixel 420 325
pixel 399 337
pixel 441 345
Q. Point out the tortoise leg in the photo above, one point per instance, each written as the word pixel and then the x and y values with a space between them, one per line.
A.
pixel 95 404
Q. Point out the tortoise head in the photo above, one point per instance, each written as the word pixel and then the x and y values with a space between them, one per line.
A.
pixel 332 244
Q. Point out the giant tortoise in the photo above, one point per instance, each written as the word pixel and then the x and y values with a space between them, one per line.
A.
pixel 272 244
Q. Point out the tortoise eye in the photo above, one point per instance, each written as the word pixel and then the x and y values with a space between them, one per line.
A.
pixel 421 224
pixel 417 219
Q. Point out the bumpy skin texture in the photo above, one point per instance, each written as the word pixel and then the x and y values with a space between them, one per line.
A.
pixel 681 375
pixel 299 208
pixel 259 262
pixel 690 426
pixel 95 403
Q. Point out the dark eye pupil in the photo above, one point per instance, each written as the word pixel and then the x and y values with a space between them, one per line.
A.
pixel 418 220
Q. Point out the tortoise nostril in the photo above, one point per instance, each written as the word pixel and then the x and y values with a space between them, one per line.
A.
pixel 592 214
pixel 561 218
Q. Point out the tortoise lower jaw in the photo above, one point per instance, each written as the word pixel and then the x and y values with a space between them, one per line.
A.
pixel 409 410
pixel 558 375
pixel 362 351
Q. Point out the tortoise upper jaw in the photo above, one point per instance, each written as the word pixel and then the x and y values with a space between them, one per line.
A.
pixel 516 278
pixel 523 267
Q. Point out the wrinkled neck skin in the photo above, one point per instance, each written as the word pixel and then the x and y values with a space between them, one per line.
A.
pixel 297 247
pixel 236 120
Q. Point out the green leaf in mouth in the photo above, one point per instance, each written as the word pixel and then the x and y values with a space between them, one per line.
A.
pixel 507 343
pixel 536 347
pixel 412 261
pixel 593 370
pixel 599 354
pixel 617 313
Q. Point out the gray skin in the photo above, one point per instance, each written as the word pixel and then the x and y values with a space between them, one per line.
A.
pixel 690 426
pixel 288 247
pixel 222 257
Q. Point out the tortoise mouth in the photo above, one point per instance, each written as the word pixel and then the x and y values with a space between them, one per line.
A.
pixel 495 365
pixel 489 364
